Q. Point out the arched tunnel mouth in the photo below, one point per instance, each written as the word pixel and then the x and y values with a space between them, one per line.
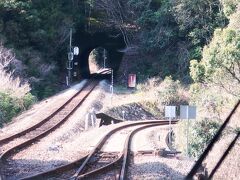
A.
pixel 88 43
pixel 98 60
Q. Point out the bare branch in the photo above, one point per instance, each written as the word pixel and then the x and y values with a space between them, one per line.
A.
pixel 6 57
pixel 9 83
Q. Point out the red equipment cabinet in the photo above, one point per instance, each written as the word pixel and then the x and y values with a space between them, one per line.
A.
pixel 132 80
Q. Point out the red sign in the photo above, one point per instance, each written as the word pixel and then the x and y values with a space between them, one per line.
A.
pixel 132 80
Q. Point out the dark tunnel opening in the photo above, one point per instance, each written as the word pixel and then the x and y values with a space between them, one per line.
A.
pixel 98 60
pixel 88 42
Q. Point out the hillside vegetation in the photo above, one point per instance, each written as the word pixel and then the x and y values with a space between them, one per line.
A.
pixel 187 52
pixel 33 38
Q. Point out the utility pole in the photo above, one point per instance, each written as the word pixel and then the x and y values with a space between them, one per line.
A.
pixel 70 56
pixel 70 60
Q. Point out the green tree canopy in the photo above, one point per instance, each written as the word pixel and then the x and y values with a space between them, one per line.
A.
pixel 221 60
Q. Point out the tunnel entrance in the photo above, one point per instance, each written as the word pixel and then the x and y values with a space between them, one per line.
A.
pixel 98 60
pixel 91 45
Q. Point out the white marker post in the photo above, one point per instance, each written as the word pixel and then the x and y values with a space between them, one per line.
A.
pixel 123 115
pixel 111 86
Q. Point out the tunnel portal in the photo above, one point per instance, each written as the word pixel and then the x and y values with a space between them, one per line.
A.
pixel 88 42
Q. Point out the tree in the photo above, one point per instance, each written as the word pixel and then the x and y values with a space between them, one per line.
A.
pixel 221 61
pixel 199 18
pixel 114 14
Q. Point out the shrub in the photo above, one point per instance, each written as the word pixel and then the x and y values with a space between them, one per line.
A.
pixel 8 83
pixel 150 84
pixel 28 100
pixel 168 91
pixel 14 92
pixel 158 93
pixel 9 107
pixel 211 100
pixel 201 134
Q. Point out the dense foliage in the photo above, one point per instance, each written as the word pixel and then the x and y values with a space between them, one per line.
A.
pixel 173 32
pixel 10 106
pixel 202 133
pixel 167 34
pixel 38 31
pixel 39 24
pixel 15 93
pixel 216 78
pixel 220 62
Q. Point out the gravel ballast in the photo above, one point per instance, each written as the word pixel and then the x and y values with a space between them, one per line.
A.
pixel 70 142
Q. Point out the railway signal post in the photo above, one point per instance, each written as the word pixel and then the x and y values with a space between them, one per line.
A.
pixel 72 51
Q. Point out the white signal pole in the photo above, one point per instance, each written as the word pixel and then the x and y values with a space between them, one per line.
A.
pixel 111 86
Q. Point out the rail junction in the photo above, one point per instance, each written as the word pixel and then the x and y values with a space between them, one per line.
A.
pixel 96 164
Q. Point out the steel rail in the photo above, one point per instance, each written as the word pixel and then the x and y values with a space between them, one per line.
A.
pixel 123 156
pixel 84 93
pixel 105 71
pixel 80 175
pixel 102 169
pixel 127 149
pixel 60 170
pixel 46 132
pixel 55 171
pixel 17 135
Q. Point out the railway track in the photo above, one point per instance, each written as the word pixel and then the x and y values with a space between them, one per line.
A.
pixel 17 142
pixel 99 164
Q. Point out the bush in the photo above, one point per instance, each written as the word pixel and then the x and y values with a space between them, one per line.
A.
pixel 160 93
pixel 9 107
pixel 202 132
pixel 28 100
pixel 168 92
